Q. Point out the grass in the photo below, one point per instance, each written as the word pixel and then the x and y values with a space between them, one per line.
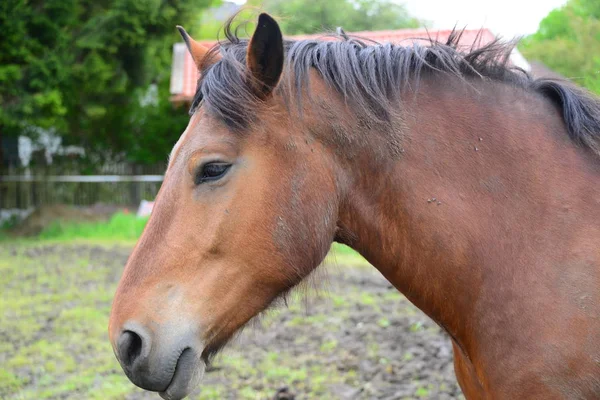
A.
pixel 56 295
pixel 120 226
pixel 53 314
pixel 128 227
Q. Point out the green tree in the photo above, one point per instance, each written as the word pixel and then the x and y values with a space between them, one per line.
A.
pixel 568 41
pixel 82 66
pixel 312 16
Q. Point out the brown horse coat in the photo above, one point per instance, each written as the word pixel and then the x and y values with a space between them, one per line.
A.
pixel 472 188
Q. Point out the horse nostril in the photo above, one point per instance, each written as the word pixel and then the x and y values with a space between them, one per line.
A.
pixel 130 347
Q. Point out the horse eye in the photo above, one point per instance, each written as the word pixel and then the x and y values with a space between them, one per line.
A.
pixel 212 172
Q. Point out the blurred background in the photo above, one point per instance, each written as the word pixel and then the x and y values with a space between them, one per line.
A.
pixel 94 94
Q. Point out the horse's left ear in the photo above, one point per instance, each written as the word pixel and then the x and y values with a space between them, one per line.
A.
pixel 197 51
pixel 265 55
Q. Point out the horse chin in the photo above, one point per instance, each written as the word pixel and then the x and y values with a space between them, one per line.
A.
pixel 188 373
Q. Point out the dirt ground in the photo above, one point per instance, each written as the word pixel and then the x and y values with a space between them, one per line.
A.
pixel 353 337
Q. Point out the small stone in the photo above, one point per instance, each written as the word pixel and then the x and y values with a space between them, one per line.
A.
pixel 439 202
pixel 476 149
pixel 480 139
pixel 284 394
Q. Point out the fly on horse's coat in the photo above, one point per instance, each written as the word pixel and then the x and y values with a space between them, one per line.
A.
pixel 293 145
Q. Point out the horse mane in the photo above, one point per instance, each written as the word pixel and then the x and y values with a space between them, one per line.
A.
pixel 370 78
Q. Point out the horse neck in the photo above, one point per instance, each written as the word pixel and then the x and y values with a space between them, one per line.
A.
pixel 477 177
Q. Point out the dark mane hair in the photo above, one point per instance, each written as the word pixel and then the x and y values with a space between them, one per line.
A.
pixel 370 77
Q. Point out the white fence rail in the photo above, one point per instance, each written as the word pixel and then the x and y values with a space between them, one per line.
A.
pixel 82 178
pixel 28 191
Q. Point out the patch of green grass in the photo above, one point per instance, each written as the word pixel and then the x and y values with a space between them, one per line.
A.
pixel 338 301
pixel 367 299
pixel 120 226
pixel 383 322
pixel 343 249
pixel 249 393
pixel 342 254
pixel 416 327
pixel 212 393
pixel 8 381
pixel 111 387
pixel 235 361
pixel 393 295
pixel 299 320
pixel 284 374
pixel 422 392
pixel 329 345
pixel 372 349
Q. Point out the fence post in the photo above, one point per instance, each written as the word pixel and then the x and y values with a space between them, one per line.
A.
pixel 135 196
pixel 18 195
pixel 35 201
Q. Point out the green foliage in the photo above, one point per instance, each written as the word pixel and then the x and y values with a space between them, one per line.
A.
pixel 81 67
pixel 32 54
pixel 154 128
pixel 312 16
pixel 210 26
pixel 208 29
pixel 121 226
pixel 568 41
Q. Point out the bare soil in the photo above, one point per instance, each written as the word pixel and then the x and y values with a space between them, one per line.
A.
pixel 355 337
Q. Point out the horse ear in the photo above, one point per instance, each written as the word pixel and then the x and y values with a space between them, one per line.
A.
pixel 197 51
pixel 265 55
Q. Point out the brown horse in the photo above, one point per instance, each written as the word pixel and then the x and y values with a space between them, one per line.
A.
pixel 473 188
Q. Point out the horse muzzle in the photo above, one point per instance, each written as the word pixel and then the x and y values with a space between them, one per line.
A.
pixel 163 360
